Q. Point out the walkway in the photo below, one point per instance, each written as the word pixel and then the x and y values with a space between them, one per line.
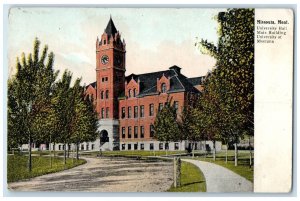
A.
pixel 220 179
pixel 105 175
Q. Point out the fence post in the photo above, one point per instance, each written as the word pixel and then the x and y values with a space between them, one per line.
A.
pixel 177 172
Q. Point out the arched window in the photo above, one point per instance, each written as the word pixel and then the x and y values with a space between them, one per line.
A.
pixel 129 93
pixel 102 94
pixel 106 94
pixel 163 88
pixel 134 92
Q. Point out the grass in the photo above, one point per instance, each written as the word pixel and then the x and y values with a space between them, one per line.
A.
pixel 192 179
pixel 242 169
pixel 17 166
pixel 131 153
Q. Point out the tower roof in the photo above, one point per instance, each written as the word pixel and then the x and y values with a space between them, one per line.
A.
pixel 110 28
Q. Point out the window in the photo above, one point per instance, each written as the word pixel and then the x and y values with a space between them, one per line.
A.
pixel 151 109
pixel 129 146
pixel 142 146
pixel 176 146
pixel 104 79
pixel 160 107
pixel 82 146
pixel 129 112
pixel 107 112
pixel 151 146
pixel 176 106
pixel 102 94
pixel 135 146
pixel 134 92
pixel 87 146
pixel 135 132
pixel 129 93
pixel 161 146
pixel 142 111
pixel 142 131
pixel 102 113
pixel 166 146
pixel 59 147
pixel 123 132
pixel 135 112
pixel 53 148
pixel 123 146
pixel 123 112
pixel 163 88
pixel 129 131
pixel 93 146
pixel 151 130
pixel 106 94
pixel 104 42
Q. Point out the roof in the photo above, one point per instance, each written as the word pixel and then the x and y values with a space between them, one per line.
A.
pixel 93 84
pixel 110 28
pixel 196 80
pixel 148 81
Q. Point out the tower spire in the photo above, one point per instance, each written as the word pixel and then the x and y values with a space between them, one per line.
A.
pixel 110 28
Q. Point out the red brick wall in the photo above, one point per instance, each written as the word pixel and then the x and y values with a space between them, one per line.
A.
pixel 91 91
pixel 147 120
pixel 115 75
pixel 199 87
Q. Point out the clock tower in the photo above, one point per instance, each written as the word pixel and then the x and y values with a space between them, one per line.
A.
pixel 110 78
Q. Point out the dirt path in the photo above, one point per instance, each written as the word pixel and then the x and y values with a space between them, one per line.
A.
pixel 220 179
pixel 104 175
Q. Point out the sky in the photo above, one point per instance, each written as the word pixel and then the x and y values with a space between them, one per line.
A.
pixel 155 38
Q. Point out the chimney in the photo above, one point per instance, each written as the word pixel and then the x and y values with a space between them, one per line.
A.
pixel 175 68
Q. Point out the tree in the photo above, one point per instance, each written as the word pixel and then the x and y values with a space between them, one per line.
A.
pixel 15 121
pixel 165 125
pixel 191 123
pixel 63 106
pixel 233 78
pixel 28 98
pixel 84 125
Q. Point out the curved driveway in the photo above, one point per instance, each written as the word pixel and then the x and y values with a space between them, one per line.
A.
pixel 220 179
pixel 104 175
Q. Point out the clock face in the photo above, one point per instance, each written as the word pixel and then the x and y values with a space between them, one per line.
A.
pixel 104 59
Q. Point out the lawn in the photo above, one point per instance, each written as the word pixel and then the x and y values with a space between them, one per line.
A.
pixel 131 153
pixel 17 166
pixel 192 179
pixel 243 169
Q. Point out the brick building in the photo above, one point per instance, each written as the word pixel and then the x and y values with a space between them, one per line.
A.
pixel 127 105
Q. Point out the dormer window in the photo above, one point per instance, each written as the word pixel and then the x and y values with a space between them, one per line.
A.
pixel 104 42
pixel 129 93
pixel 134 92
pixel 163 88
